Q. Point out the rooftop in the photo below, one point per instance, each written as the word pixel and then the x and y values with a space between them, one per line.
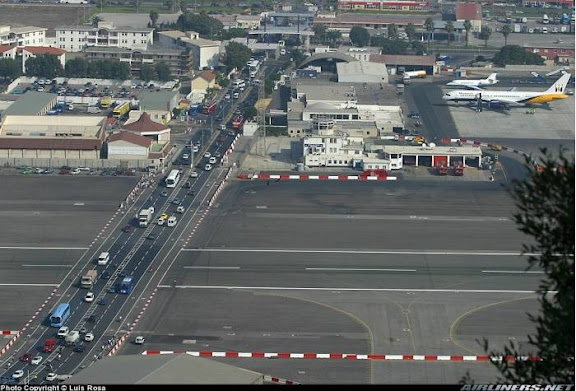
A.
pixel 152 49
pixel 115 28
pixel 361 68
pixel 206 75
pixel 145 124
pixel 31 103
pixel 163 369
pixel 44 50
pixel 156 100
pixel 131 138
pixel 26 29
pixel 397 59
pixel 5 48
pixel 468 11
pixel 333 92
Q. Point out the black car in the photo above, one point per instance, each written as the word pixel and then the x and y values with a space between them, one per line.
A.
pixel 414 114
pixel 80 348
pixel 105 275
pixel 151 237
pixel 91 319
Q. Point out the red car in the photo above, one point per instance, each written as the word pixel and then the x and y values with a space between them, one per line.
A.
pixel 26 357
pixel 126 229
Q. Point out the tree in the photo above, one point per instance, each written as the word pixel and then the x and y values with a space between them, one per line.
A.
pixel 392 31
pixel 200 22
pixel 516 55
pixel 392 46
pixel 545 202
pixel 233 33
pixel 485 34
pixel 359 36
pixel 506 30
pixel 467 27
pixel 250 112
pixel 147 72
pixel 320 32
pixel 153 17
pixel 76 67
pixel 44 65
pixel 96 20
pixel 170 5
pixel 418 48
pixel 237 55
pixel 410 30
pixel 334 36
pixel 183 6
pixel 297 56
pixel 10 68
pixel 449 29
pixel 429 27
pixel 163 71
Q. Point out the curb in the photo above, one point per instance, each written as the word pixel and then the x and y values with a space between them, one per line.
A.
pixel 307 177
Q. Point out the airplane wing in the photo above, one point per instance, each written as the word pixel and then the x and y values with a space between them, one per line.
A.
pixel 506 102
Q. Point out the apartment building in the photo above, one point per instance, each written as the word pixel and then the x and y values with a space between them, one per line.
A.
pixel 22 36
pixel 76 38
pixel 205 53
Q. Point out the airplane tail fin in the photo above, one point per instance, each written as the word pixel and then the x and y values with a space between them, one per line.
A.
pixel 492 78
pixel 560 85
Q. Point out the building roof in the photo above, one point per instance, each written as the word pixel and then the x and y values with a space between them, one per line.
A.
pixel 396 59
pixel 324 92
pixel 145 124
pixel 253 18
pixel 441 24
pixel 31 103
pixel 156 100
pixel 163 369
pixel 5 48
pixel 115 28
pixel 131 138
pixel 26 29
pixel 206 75
pixel 49 143
pixel 361 68
pixel 44 50
pixel 174 34
pixel 468 11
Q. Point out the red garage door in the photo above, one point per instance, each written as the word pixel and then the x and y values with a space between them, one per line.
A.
pixel 440 159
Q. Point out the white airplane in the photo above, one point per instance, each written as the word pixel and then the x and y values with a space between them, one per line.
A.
pixel 511 98
pixel 474 84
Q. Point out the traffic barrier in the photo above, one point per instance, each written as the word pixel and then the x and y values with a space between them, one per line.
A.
pixel 307 177
pixel 279 380
pixel 9 332
pixel 344 356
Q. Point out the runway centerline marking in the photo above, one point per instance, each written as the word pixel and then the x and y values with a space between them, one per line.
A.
pixel 391 252
pixel 514 271
pixel 357 269
pixel 213 267
pixel 47 265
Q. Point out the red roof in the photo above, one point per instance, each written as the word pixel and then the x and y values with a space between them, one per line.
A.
pixel 207 75
pixel 49 143
pixel 131 138
pixel 44 50
pixel 468 11
pixel 145 124
pixel 5 48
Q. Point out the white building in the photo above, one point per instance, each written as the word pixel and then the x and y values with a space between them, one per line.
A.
pixel 7 51
pixel 22 36
pixel 362 72
pixel 33 51
pixel 248 22
pixel 76 38
pixel 205 53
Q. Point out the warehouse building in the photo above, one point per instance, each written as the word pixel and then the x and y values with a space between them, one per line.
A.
pixel 32 103
pixel 397 64
pixel 158 104
pixel 145 126
pixel 362 72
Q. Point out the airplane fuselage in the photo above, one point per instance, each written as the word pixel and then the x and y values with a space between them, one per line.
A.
pixel 510 97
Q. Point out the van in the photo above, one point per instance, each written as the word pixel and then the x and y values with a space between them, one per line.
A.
pixel 104 258
pixel 172 221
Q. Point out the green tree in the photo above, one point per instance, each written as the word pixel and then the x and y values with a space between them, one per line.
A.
pixel 153 17
pixel 237 55
pixel 44 65
pixel 222 81
pixel 429 27
pixel 410 30
pixel 96 20
pixel 320 32
pixel 485 34
pixel 297 56
pixel 269 86
pixel 169 5
pixel 449 29
pixel 467 27
pixel 359 36
pixel 10 69
pixel 250 112
pixel 233 33
pixel 147 72
pixel 183 6
pixel 418 48
pixel 506 30
pixel 200 22
pixel 545 212
pixel 392 46
pixel 163 71
pixel 76 67
pixel 392 31
pixel 516 55
pixel 334 36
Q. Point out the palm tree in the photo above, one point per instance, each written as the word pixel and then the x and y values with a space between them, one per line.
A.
pixel 485 34
pixel 96 20
pixel 429 26
pixel 506 30
pixel 467 27
pixel 153 17
pixel 410 30
pixel 392 31
pixel 449 29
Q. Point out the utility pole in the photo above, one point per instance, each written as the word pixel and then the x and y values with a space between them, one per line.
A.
pixel 261 118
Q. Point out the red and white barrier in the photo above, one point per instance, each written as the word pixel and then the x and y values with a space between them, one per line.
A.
pixel 10 343
pixel 342 356
pixel 307 177
pixel 279 380
pixel 9 332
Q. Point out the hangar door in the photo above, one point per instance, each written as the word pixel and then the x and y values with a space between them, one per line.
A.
pixel 440 160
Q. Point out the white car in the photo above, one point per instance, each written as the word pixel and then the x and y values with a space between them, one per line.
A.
pixel 212 160
pixel 63 331
pixel 160 221
pixel 18 374
pixel 75 171
pixel 193 174
pixel 139 340
pixel 207 154
pixel 36 360
pixel 208 167
pixel 185 156
pixel 89 298
pixel 51 376
pixel 89 337
pixel 195 148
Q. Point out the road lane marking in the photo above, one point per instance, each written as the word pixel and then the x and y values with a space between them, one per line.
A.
pixel 397 252
pixel 354 269
pixel 281 288
pixel 213 267
pixel 47 265
pixel 55 285
pixel 514 271
pixel 43 248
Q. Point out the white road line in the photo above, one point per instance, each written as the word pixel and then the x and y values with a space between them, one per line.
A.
pixel 44 248
pixel 273 288
pixel 513 271
pixel 213 267
pixel 351 269
pixel 47 265
pixel 54 285
pixel 398 252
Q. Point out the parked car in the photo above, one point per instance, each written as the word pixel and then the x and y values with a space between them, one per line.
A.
pixel 51 376
pixel 26 357
pixel 36 360
pixel 18 374
pixel 89 298
pixel 89 337
pixel 139 340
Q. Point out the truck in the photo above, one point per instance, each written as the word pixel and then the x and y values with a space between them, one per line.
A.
pixel 49 345
pixel 145 216
pixel 521 20
pixel 105 102
pixel 127 285
pixel 545 19
pixel 89 279
pixel 517 28
pixel 94 110
pixel 237 122
pixel 121 110
pixel 72 337
pixel 413 74
pixel 565 19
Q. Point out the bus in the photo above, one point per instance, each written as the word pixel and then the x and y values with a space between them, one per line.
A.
pixel 173 178
pixel 60 315
pixel 126 285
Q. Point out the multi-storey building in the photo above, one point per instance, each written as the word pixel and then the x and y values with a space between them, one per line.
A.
pixel 76 38
pixel 22 36
pixel 205 53
pixel 383 5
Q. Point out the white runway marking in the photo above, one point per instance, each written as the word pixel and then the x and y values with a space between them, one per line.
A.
pixel 397 252
pixel 55 285
pixel 213 267
pixel 43 248
pixel 353 269
pixel 513 271
pixel 47 265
